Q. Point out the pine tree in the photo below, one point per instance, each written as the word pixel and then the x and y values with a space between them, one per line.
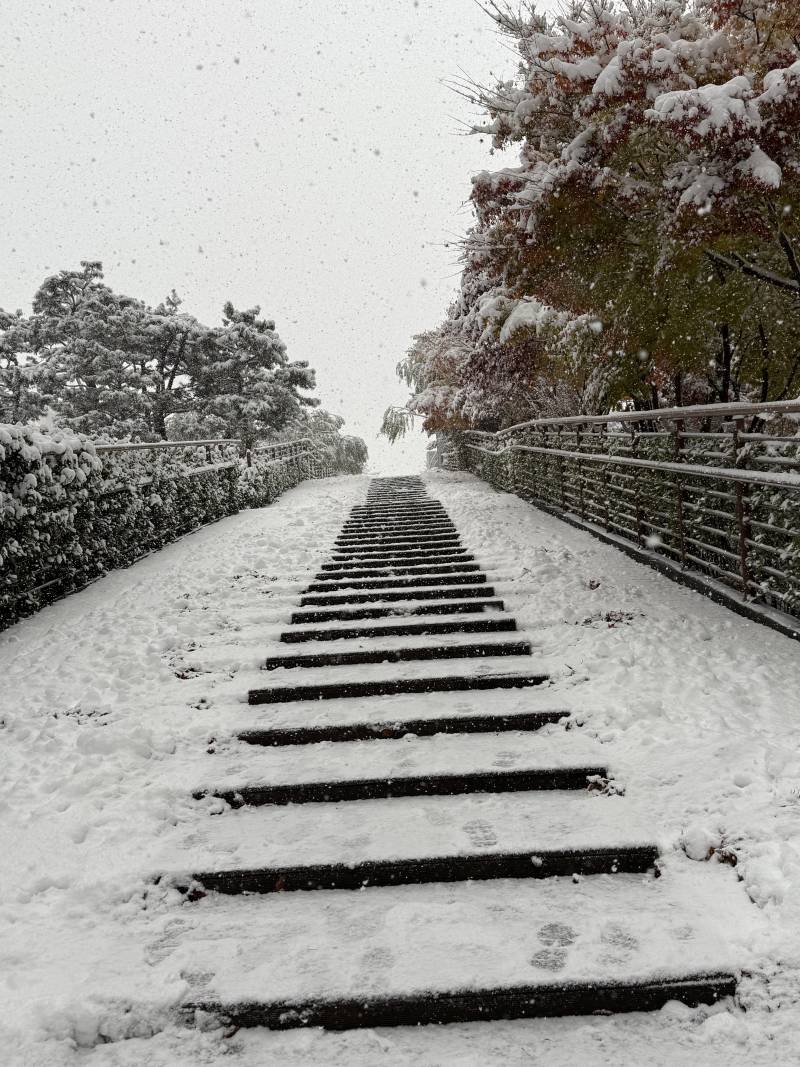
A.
pixel 241 374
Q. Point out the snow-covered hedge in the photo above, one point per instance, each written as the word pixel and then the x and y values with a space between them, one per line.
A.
pixel 70 512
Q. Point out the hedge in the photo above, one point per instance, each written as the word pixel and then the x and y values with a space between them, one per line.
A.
pixel 70 511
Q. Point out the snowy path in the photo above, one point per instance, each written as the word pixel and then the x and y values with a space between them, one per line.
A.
pixel 112 697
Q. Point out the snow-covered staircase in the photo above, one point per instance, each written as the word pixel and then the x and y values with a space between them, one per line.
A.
pixel 456 862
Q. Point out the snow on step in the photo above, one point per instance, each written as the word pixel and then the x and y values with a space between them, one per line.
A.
pixel 399 581
pixel 300 948
pixel 391 643
pixel 231 655
pixel 396 611
pixel 487 667
pixel 388 596
pixel 390 709
pixel 383 679
pixel 470 622
pixel 431 651
pixel 403 828
pixel 415 565
pixel 243 765
pixel 389 570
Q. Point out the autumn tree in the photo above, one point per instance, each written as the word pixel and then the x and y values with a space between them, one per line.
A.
pixel 645 248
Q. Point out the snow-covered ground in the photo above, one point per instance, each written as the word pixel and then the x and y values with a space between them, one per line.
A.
pixel 110 697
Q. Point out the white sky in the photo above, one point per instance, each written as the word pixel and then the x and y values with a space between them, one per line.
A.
pixel 304 156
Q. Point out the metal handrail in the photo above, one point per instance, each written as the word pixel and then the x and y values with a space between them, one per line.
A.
pixel 697 470
pixel 697 411
pixel 735 520
pixel 135 446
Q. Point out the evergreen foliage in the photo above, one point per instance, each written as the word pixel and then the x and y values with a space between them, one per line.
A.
pixel 68 514
pixel 113 367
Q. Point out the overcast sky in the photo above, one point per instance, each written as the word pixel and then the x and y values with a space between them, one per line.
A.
pixel 305 156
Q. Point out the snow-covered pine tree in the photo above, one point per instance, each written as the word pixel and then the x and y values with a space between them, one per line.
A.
pixel 83 340
pixel 241 374
pixel 110 365
pixel 18 398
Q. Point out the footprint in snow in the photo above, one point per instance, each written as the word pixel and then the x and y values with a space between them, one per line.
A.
pixel 556 937
pixel 379 958
pixel 436 817
pixel 620 943
pixel 480 834
pixel 505 759
pixel 557 934
pixel 550 959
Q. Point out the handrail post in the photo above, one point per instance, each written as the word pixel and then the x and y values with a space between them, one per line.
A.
pixel 676 452
pixel 562 488
pixel 544 491
pixel 743 526
pixel 601 433
pixel 636 495
pixel 579 465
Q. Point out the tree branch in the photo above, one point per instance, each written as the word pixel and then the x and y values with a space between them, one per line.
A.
pixel 739 263
pixel 790 254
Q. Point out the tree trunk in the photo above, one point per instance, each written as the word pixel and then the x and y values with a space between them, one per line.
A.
pixel 159 418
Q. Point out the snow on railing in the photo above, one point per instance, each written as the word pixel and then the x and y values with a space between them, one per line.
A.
pixel 708 487
pixel 72 509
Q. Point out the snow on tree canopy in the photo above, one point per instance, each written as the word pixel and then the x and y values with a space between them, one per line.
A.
pixel 657 192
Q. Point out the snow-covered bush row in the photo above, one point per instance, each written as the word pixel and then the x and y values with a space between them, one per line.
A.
pixel 69 513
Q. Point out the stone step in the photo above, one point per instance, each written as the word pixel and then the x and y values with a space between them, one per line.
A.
pixel 397 611
pixel 473 577
pixel 394 526
pixel 400 514
pixel 381 540
pixel 365 571
pixel 235 767
pixel 449 593
pixel 370 525
pixel 388 548
pixel 372 556
pixel 399 728
pixel 424 650
pixel 341 732
pixel 397 499
pixel 443 683
pixel 331 792
pixel 420 531
pixel 390 712
pixel 407 512
pixel 389 523
pixel 537 863
pixel 460 952
pixel 471 625
pixel 394 842
pixel 418 562
pixel 421 535
pixel 426 501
